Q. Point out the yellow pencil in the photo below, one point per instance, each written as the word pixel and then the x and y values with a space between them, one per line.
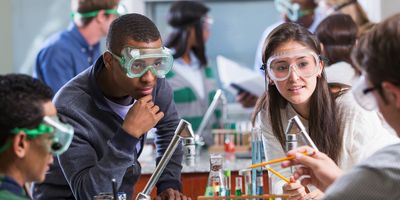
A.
pixel 278 174
pixel 276 160
pixel 271 162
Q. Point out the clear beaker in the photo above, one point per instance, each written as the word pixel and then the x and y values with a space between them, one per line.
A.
pixel 215 183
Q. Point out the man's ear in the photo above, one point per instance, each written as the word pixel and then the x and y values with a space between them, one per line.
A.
pixel 392 93
pixel 20 144
pixel 101 16
pixel 108 60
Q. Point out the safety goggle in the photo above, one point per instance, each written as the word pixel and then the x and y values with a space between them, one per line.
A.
pixel 136 62
pixel 291 10
pixel 363 94
pixel 61 134
pixel 120 10
pixel 303 62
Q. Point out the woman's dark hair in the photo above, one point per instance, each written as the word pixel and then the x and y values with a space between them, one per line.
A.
pixel 324 127
pixel 181 17
pixel 338 34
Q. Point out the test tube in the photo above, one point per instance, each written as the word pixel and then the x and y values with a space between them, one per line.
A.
pixel 248 186
pixel 238 186
pixel 227 179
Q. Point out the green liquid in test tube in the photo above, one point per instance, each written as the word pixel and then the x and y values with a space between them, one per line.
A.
pixel 238 186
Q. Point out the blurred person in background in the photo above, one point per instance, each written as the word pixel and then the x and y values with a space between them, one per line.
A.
pixel 349 7
pixel 338 34
pixel 67 53
pixel 192 79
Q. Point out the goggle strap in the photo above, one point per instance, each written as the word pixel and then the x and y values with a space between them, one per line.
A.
pixel 32 133
pixel 93 13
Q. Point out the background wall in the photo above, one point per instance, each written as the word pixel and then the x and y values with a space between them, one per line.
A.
pixel 25 24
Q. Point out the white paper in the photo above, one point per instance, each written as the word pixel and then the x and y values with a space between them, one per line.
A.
pixel 232 74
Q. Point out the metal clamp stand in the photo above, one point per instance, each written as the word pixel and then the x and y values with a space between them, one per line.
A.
pixel 219 95
pixel 183 131
pixel 291 136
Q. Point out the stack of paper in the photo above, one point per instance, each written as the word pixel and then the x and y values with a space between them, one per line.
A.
pixel 240 78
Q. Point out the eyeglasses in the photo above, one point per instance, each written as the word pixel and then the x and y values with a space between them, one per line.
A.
pixel 136 62
pixel 303 62
pixel 363 94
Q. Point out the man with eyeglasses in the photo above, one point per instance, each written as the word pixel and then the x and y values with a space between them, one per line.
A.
pixel 65 54
pixel 30 134
pixel 112 105
pixel 378 177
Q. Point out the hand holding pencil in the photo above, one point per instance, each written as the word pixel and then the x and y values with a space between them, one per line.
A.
pixel 322 170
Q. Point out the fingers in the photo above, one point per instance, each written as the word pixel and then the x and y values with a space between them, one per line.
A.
pixel 306 181
pixel 301 171
pixel 295 190
pixel 171 194
pixel 303 149
pixel 146 99
pixel 246 99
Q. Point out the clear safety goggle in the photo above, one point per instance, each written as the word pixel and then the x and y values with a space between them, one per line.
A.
pixel 291 10
pixel 303 62
pixel 136 62
pixel 363 94
pixel 120 10
pixel 61 134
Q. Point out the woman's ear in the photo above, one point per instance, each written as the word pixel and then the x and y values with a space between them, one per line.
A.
pixel 20 144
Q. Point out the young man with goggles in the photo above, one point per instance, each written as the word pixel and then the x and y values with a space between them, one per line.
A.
pixel 378 177
pixel 67 53
pixel 30 134
pixel 111 106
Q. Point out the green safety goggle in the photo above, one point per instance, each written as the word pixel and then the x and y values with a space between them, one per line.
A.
pixel 120 10
pixel 94 13
pixel 61 134
pixel 291 10
pixel 136 61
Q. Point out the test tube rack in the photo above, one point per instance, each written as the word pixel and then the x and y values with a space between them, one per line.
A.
pixel 241 140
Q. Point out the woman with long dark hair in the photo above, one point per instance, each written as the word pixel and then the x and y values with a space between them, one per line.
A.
pixel 338 35
pixel 191 78
pixel 297 86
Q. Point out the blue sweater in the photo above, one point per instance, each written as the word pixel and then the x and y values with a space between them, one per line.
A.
pixel 63 56
pixel 101 149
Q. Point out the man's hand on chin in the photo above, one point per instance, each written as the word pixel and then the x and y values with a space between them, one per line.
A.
pixel 170 194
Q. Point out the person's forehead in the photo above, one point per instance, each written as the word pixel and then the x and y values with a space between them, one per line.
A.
pixel 289 46
pixel 144 45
